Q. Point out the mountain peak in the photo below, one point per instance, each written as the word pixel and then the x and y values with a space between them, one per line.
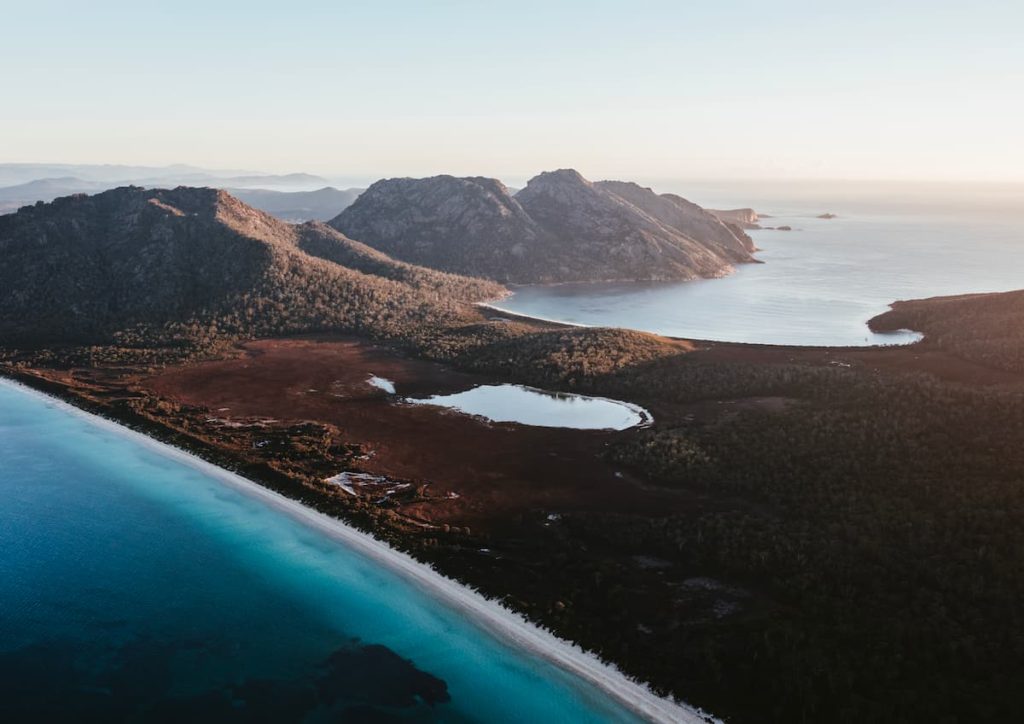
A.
pixel 564 174
pixel 560 227
pixel 142 266
pixel 561 176
pixel 468 225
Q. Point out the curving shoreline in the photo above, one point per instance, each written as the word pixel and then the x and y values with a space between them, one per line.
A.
pixel 492 307
pixel 519 315
pixel 489 615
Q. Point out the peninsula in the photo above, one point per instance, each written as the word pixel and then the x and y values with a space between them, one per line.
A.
pixel 764 550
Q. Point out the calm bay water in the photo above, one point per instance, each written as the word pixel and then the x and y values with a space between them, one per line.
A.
pixel 134 585
pixel 821 282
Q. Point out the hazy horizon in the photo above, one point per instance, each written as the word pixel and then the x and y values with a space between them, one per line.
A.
pixel 922 91
pixel 1004 199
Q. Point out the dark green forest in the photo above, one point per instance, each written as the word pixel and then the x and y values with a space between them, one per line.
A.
pixel 983 328
pixel 855 547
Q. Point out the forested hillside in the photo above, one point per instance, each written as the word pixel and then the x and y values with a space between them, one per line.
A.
pixel 983 328
pixel 184 266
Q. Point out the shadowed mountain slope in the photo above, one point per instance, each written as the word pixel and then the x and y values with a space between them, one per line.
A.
pixel 686 217
pixel 135 266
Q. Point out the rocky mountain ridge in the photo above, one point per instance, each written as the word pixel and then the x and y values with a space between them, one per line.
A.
pixel 744 218
pixel 559 228
pixel 132 265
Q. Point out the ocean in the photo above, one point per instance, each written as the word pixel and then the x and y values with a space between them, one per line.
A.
pixel 137 586
pixel 820 283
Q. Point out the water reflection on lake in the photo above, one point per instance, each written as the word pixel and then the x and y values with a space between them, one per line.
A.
pixel 530 406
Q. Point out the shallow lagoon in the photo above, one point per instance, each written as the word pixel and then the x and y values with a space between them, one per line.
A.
pixel 530 406
pixel 131 584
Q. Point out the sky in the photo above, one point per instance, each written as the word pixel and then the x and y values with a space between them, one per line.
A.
pixel 643 89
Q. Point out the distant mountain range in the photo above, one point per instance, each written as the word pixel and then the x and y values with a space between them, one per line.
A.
pixel 45 189
pixel 154 267
pixel 289 197
pixel 297 206
pixel 110 175
pixel 559 228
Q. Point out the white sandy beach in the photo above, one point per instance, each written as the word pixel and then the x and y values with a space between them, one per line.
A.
pixel 489 615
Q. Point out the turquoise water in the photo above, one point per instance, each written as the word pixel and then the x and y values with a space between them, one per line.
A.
pixel 529 406
pixel 135 586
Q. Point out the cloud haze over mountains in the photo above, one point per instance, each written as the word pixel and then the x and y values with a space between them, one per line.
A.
pixel 292 197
